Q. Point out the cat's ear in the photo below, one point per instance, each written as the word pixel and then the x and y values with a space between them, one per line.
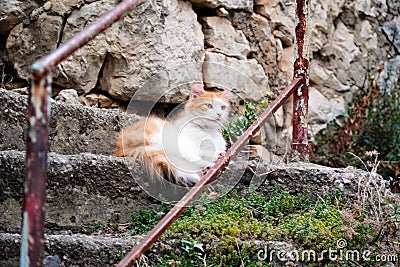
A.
pixel 197 90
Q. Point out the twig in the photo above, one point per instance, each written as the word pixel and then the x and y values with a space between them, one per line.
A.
pixel 240 255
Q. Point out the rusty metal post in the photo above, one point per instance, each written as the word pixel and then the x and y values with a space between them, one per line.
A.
pixel 36 175
pixel 300 149
pixel 211 174
pixel 37 136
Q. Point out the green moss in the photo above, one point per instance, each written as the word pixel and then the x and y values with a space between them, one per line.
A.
pixel 144 220
pixel 227 229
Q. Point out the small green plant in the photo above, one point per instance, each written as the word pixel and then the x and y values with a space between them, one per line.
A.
pixel 121 254
pixel 194 250
pixel 250 114
pixel 395 208
pixel 94 227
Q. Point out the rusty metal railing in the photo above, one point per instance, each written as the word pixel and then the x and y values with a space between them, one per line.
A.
pixel 37 137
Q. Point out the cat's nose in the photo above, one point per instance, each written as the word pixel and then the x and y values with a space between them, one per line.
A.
pixel 219 115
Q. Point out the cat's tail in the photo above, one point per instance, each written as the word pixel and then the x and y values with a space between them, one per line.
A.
pixel 155 161
pixel 158 166
pixel 119 147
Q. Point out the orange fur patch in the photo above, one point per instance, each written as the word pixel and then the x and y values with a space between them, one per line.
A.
pixel 136 135
pixel 133 140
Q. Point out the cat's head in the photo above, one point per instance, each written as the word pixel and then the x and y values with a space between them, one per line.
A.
pixel 209 107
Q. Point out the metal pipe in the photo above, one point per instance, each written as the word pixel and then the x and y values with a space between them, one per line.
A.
pixel 300 149
pixel 208 177
pixel 37 137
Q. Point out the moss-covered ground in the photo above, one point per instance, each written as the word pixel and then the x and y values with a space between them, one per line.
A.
pixel 239 231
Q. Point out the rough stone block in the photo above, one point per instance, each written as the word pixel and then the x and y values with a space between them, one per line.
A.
pixel 73 129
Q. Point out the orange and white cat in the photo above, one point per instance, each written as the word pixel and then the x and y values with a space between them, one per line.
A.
pixel 182 147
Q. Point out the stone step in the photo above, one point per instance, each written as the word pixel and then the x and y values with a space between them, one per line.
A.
pixel 87 188
pixel 73 129
pixel 70 249
pixel 81 189
pixel 77 250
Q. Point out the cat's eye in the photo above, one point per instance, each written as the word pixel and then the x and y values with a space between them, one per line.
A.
pixel 223 107
pixel 208 105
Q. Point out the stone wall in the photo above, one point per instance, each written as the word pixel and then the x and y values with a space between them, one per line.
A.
pixel 246 46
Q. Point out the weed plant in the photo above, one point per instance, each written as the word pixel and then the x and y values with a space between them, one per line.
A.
pixel 371 123
pixel 244 119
